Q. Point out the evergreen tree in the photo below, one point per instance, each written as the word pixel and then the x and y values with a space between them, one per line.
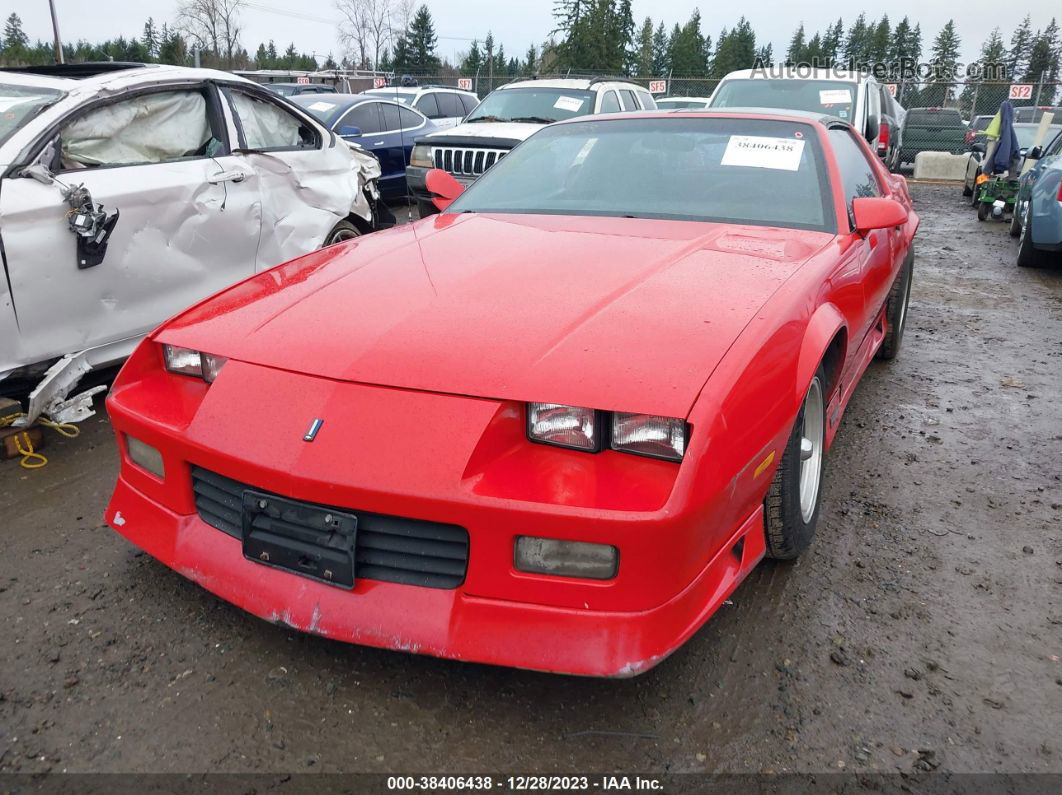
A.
pixel 856 44
pixel 1043 63
pixel 330 62
pixel 150 38
pixel 422 43
pixel 833 43
pixel 643 60
pixel 686 51
pixel 661 65
pixel 735 50
pixel 797 52
pixel 878 41
pixel 943 59
pixel 473 60
pixel 993 51
pixel 15 38
pixel 531 61
pixel 765 54
pixel 1021 43
pixel 172 48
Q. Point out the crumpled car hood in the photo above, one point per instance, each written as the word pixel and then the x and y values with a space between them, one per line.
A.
pixel 614 313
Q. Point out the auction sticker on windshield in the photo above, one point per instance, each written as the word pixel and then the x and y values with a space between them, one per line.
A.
pixel 759 151
pixel 835 96
pixel 568 103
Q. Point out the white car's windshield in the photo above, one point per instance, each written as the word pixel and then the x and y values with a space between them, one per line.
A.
pixel 700 169
pixel 19 104
pixel 834 97
pixel 533 104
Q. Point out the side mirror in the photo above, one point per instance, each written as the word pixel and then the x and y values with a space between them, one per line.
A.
pixel 877 213
pixel 873 128
pixel 348 131
pixel 1035 153
pixel 443 187
pixel 978 147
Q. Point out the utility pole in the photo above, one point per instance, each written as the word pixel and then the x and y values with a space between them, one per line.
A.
pixel 55 30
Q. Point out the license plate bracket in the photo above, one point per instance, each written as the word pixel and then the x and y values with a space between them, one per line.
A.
pixel 304 539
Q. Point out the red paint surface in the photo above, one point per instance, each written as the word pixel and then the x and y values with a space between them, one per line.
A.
pixel 420 345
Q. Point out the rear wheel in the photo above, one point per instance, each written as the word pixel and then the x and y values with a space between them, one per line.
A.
pixel 791 508
pixel 984 209
pixel 966 190
pixel 1028 255
pixel 896 309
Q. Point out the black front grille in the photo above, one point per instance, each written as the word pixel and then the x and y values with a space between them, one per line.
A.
pixel 388 548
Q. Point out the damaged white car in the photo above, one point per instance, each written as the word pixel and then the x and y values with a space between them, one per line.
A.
pixel 129 192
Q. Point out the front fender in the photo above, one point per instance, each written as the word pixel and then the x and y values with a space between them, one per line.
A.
pixel 820 331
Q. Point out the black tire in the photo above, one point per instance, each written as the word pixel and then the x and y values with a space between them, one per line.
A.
pixel 426 208
pixel 1028 255
pixel 896 309
pixel 984 209
pixel 1015 222
pixel 966 190
pixel 788 532
pixel 341 232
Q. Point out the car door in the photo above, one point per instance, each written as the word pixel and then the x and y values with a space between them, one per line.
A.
pixel 305 174
pixel 876 254
pixel 402 126
pixel 188 219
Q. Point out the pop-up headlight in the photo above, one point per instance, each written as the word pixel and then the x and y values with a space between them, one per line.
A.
pixel 564 426
pixel 194 363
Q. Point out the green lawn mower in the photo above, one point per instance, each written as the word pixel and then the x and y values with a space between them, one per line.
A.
pixel 994 197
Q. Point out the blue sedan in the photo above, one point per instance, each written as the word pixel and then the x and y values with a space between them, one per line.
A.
pixel 383 127
pixel 1037 220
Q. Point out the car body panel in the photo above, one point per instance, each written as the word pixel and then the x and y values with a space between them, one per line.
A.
pixel 1041 187
pixel 721 325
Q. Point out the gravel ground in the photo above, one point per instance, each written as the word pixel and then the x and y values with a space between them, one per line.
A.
pixel 922 631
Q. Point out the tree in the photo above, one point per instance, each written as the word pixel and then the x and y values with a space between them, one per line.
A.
pixel 422 42
pixel 150 38
pixel 173 49
pixel 832 43
pixel 531 61
pixel 993 51
pixel 473 60
pixel 686 51
pixel 856 43
pixel 643 49
pixel 1043 62
pixel 365 28
pixel 943 61
pixel 1021 42
pixel 213 26
pixel 797 47
pixel 15 38
pixel 734 50
pixel 878 40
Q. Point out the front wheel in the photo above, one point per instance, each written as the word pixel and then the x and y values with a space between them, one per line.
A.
pixel 1015 221
pixel 983 211
pixel 340 233
pixel 791 507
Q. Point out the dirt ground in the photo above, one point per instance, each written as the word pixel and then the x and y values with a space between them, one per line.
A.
pixel 922 632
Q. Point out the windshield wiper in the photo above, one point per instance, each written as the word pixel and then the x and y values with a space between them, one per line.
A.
pixel 485 118
pixel 533 119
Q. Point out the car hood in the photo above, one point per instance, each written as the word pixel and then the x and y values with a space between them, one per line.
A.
pixel 502 130
pixel 613 313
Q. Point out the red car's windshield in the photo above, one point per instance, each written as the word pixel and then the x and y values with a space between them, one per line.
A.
pixel 699 169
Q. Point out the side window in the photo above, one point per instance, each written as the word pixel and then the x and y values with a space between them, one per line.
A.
pixel 391 119
pixel 365 116
pixel 148 128
pixel 609 103
pixel 468 103
pixel 647 100
pixel 628 100
pixel 428 106
pixel 409 118
pixel 450 105
pixel 858 179
pixel 1055 147
pixel 263 125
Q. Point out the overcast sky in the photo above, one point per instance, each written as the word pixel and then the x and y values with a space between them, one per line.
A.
pixel 311 25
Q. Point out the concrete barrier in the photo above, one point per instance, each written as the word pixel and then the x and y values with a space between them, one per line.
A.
pixel 940 165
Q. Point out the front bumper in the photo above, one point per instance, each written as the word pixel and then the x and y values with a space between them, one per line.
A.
pixel 448 623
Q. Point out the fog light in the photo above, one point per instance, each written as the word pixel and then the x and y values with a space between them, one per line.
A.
pixel 145 456
pixel 566 558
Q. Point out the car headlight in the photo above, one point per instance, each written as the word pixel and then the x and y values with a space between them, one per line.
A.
pixel 564 426
pixel 646 434
pixel 194 363
pixel 421 156
pixel 585 429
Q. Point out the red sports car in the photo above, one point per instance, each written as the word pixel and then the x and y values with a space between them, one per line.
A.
pixel 552 427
